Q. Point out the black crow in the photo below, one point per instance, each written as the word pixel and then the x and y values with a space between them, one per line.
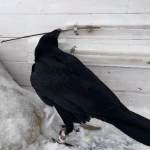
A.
pixel 63 81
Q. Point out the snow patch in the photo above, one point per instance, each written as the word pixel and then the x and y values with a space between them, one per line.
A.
pixel 18 123
pixel 108 138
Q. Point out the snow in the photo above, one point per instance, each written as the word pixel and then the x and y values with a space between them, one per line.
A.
pixel 17 118
pixel 18 123
pixel 108 138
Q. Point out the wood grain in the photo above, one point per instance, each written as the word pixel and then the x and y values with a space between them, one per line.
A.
pixel 21 25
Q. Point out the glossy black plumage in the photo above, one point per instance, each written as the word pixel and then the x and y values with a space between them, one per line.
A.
pixel 62 81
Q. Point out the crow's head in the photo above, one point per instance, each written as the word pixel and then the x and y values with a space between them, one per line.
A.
pixel 51 38
pixel 47 43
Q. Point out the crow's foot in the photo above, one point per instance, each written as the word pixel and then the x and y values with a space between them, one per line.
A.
pixel 67 144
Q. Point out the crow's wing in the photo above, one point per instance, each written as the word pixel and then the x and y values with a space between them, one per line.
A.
pixel 74 65
pixel 71 80
pixel 56 81
pixel 46 100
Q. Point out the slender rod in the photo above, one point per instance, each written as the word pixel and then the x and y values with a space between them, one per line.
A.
pixel 87 27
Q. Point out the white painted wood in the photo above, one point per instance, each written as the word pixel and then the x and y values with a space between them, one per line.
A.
pixel 109 37
pixel 102 54
pixel 20 68
pixel 21 25
pixel 108 60
pixel 112 30
pixel 121 61
pixel 107 6
pixel 101 41
pixel 71 6
pixel 127 55
pixel 128 79
pixel 134 99
pixel 14 56
pixel 107 49
pixel 15 51
pixel 116 78
pixel 123 43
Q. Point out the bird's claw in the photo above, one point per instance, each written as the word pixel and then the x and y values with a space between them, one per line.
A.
pixel 62 136
pixel 58 141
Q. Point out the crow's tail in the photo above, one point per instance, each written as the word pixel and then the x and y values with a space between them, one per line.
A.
pixel 137 127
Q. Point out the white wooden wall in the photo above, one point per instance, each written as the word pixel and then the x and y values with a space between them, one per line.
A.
pixel 118 54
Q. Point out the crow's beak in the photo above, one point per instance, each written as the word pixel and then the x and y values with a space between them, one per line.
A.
pixel 58 32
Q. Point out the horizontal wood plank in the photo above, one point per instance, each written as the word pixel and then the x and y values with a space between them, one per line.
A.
pixel 109 60
pixel 71 6
pixel 91 52
pixel 116 78
pixel 63 41
pixel 15 51
pixel 14 56
pixel 125 55
pixel 111 31
pixel 134 99
pixel 21 25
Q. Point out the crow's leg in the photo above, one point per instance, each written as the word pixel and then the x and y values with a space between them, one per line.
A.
pixel 68 124
pixel 62 136
pixel 89 127
pixel 63 129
